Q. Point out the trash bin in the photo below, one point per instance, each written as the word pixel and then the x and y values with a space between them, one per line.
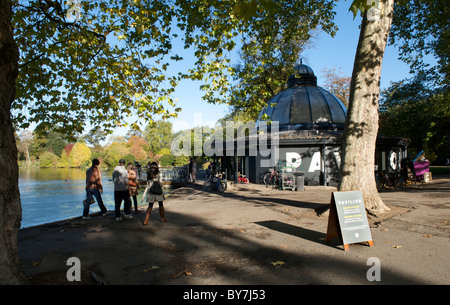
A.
pixel 300 181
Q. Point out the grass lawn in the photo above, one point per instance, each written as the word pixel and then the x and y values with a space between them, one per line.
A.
pixel 440 170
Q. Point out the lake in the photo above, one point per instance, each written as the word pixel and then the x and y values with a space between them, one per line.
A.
pixel 49 195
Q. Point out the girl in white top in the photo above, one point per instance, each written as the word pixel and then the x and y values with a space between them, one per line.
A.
pixel 153 176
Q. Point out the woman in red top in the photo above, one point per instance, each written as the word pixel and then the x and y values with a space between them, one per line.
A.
pixel 133 185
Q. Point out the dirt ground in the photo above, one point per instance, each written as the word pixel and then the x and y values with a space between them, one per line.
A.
pixel 250 235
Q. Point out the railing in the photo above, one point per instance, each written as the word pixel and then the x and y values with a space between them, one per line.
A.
pixel 174 174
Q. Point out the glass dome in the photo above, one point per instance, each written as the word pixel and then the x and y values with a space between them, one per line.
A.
pixel 304 105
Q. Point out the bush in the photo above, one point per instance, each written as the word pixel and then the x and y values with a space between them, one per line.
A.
pixel 167 160
pixel 130 158
pixel 112 159
pixel 114 153
pixel 181 160
pixel 48 159
pixel 63 161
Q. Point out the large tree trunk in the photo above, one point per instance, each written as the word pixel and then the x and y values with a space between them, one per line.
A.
pixel 10 209
pixel 361 128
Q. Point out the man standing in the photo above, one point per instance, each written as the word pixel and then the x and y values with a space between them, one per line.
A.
pixel 93 188
pixel 192 169
pixel 121 192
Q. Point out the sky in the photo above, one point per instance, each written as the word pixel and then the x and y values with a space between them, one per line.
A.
pixel 326 52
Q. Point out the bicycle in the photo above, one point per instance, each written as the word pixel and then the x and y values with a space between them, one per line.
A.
pixel 242 179
pixel 272 178
pixel 215 183
pixel 391 180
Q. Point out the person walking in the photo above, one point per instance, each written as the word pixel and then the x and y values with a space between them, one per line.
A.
pixel 121 191
pixel 192 169
pixel 94 188
pixel 133 185
pixel 152 195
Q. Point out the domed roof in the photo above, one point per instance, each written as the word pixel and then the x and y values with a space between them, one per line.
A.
pixel 304 105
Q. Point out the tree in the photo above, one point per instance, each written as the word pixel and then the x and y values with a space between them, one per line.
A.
pixel 337 84
pixel 138 146
pixel 55 142
pixel 107 62
pixel 138 152
pixel 80 155
pixel 273 35
pixel 38 144
pixel 10 217
pixel 134 132
pixel 48 159
pixel 266 63
pixel 158 135
pixel 68 148
pixel 24 143
pixel 361 127
pixel 130 158
pixel 63 161
pixel 115 152
pixel 95 136
pixel 164 151
pixel 167 160
pixel 181 160
pixel 416 109
pixel 420 30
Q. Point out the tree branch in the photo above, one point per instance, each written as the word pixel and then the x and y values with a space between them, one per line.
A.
pixel 63 23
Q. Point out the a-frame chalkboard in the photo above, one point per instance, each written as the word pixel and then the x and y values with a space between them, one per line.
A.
pixel 348 219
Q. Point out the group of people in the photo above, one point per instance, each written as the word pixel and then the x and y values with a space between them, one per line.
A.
pixel 126 186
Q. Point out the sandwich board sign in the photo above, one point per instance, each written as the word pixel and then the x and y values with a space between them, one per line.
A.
pixel 348 219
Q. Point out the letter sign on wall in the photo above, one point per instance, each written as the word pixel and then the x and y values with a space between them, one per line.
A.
pixel 315 162
pixel 293 159
pixel 393 160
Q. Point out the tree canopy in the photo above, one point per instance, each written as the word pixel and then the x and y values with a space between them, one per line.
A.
pixel 420 30
pixel 417 107
pixel 99 62
pixel 98 67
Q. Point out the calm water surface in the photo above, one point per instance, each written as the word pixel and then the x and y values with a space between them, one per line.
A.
pixel 49 195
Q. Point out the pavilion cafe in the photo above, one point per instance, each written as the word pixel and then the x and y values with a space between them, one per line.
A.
pixel 310 127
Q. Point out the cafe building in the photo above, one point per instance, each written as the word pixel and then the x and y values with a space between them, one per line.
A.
pixel 307 138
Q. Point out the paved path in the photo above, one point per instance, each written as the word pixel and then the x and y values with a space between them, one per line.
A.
pixel 248 235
